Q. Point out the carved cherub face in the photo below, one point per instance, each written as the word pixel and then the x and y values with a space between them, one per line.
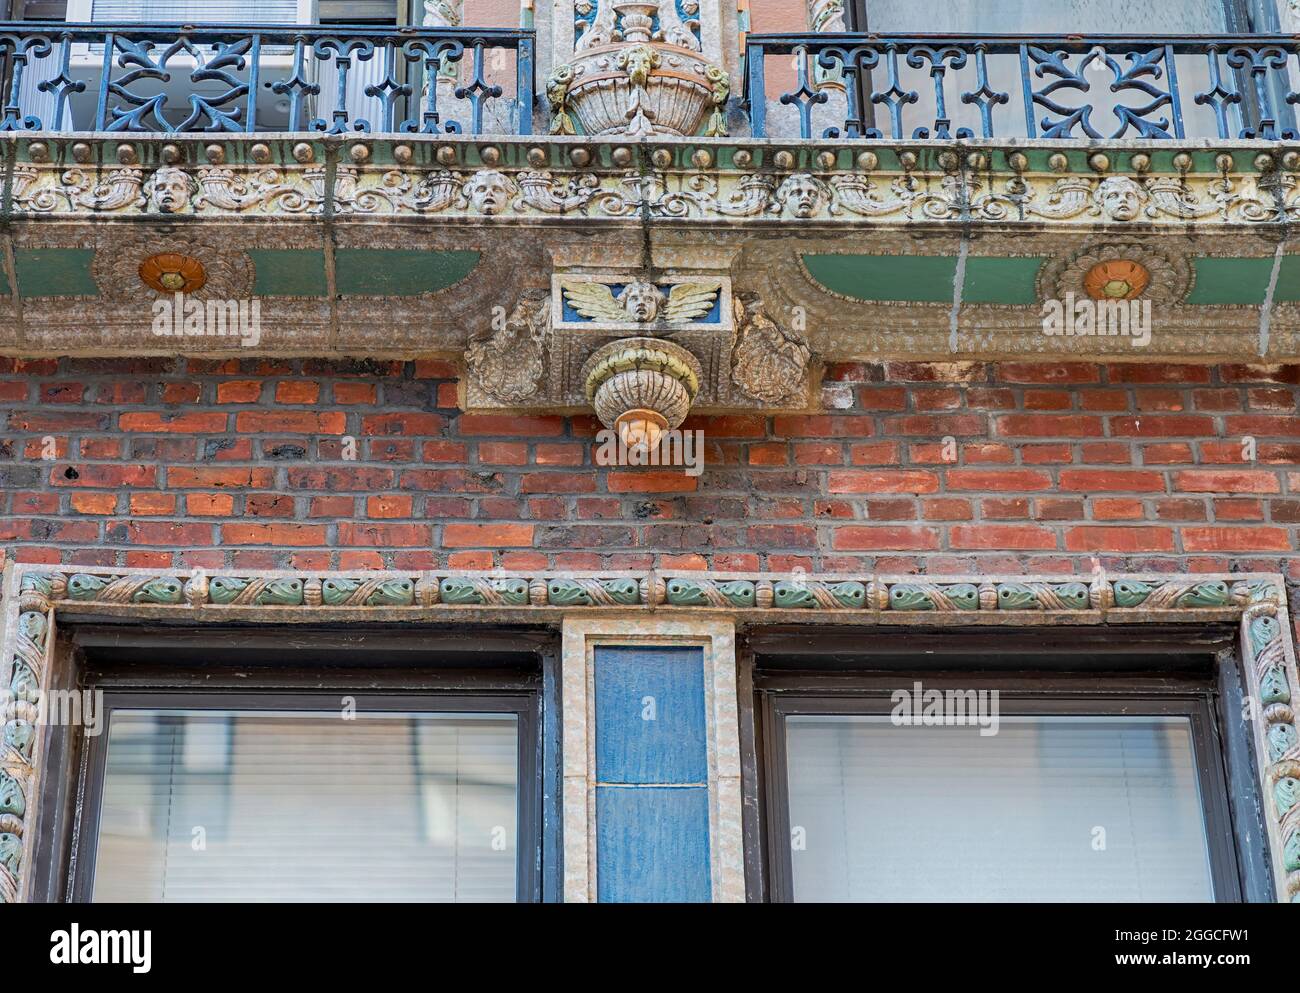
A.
pixel 171 190
pixel 801 194
pixel 489 192
pixel 1120 198
pixel 641 300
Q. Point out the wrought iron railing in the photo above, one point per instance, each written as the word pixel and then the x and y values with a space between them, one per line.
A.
pixel 958 86
pixel 183 78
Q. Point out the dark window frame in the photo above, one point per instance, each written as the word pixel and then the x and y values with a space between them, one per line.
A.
pixel 1190 670
pixel 416 668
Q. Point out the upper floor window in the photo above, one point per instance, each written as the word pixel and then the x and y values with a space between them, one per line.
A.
pixel 1064 17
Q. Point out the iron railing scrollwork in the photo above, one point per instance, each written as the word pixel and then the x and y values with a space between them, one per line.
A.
pixel 183 78
pixel 1231 87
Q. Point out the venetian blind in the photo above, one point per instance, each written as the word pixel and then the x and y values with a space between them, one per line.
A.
pixel 211 806
pixel 907 813
pixel 194 12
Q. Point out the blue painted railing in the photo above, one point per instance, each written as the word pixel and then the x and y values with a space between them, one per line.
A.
pixel 185 78
pixel 977 86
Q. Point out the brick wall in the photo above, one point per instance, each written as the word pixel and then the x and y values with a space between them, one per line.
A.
pixel 242 463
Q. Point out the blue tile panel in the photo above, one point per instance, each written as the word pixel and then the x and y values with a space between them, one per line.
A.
pixel 652 844
pixel 650 725
pixel 652 797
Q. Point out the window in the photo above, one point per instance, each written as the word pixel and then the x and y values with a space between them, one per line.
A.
pixel 415 777
pixel 919 785
pixel 1062 16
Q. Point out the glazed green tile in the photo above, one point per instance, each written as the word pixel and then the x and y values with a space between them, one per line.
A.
pixel 1288 280
pixel 289 272
pixel 1231 281
pixel 1005 281
pixel 55 272
pixel 399 272
pixel 918 278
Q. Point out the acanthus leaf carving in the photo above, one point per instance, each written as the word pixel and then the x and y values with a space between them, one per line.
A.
pixel 769 363
pixel 509 363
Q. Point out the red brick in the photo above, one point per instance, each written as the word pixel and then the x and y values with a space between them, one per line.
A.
pixel 1167 453
pixel 1239 510
pixel 937 425
pixel 1004 508
pixel 1100 538
pixel 359 477
pixel 385 535
pixel 295 535
pixel 874 453
pixel 1048 399
pixel 1022 537
pixel 509 425
pixel 448 395
pixel 851 538
pixel 1236 539
pixel 489 535
pixel 1262 425
pixel 818 453
pixel 61 392
pixel 1048 426
pixel 94 503
pixel 1044 454
pixel 290 421
pixel 1047 372
pixel 152 504
pixel 209 504
pixel 1162 426
pixel 269 505
pixel 203 477
pixel 172 533
pixel 181 392
pixel 389 506
pixel 885 398
pixel 179 423
pixel 299 391
pixel 1121 480
pixel 331 506
pixel 240 391
pixel 936 372
pixel 661 481
pixel 558 482
pixel 998 479
pixel 1147 372
pixel 1104 400
pixel 407 424
pixel 558 453
pixel 1117 509
pixel 883 481
pixel 503 452
pixel 946 509
pixel 823 426
pixel 100 477
pixel 1226 481
pixel 351 393
pixel 435 369
pixel 443 451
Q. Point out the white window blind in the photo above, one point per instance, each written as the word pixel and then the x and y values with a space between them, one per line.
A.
pixel 212 806
pixel 194 11
pixel 906 813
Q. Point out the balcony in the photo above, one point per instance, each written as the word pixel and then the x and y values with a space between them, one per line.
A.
pixel 892 196
pixel 942 87
pixel 185 78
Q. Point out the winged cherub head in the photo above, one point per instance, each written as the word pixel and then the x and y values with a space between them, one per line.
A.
pixel 641 300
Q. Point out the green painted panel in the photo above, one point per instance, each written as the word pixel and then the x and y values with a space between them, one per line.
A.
pixel 920 278
pixel 1005 281
pixel 399 272
pixel 288 272
pixel 1288 280
pixel 55 272
pixel 1231 281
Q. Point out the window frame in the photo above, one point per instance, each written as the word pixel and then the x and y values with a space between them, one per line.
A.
pixel 781 692
pixel 412 668
pixel 522 705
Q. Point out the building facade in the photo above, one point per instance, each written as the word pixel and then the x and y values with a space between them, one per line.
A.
pixel 674 450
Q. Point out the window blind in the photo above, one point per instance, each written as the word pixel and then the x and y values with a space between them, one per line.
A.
pixel 906 813
pixel 1044 16
pixel 194 12
pixel 213 806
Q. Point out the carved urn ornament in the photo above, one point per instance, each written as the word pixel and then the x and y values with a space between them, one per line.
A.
pixel 641 387
pixel 638 70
